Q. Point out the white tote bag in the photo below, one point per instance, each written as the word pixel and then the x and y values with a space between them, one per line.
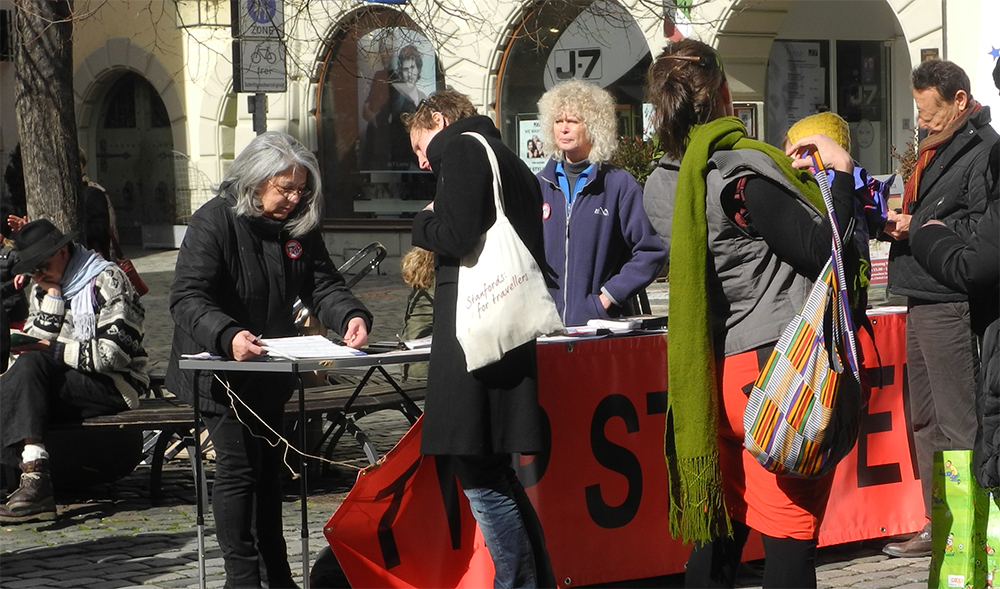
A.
pixel 502 298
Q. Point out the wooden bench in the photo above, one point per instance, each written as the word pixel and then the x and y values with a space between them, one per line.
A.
pixel 167 418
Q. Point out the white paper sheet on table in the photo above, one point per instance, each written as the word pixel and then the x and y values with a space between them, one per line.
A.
pixel 306 346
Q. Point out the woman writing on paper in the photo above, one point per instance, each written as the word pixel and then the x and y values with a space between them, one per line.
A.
pixel 749 235
pixel 248 253
pixel 479 418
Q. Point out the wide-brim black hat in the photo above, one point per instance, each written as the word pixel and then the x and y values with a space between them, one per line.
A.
pixel 36 241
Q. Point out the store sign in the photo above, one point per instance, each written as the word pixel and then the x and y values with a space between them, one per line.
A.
pixel 600 46
pixel 258 18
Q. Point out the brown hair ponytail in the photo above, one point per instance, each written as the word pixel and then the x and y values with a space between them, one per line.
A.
pixel 683 84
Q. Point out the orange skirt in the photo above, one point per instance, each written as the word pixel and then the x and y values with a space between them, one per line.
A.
pixel 778 506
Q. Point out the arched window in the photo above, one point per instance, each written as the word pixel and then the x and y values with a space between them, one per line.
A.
pixel 595 41
pixel 379 66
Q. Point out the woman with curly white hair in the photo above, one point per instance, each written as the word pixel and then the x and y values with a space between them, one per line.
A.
pixel 598 239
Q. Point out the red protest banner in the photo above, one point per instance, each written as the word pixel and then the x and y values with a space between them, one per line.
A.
pixel 404 526
pixel 600 491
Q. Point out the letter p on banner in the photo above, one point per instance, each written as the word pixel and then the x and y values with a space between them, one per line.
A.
pixel 395 527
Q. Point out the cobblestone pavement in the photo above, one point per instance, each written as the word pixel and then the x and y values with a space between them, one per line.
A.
pixel 110 535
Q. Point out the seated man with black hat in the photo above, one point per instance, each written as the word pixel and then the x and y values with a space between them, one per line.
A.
pixel 88 359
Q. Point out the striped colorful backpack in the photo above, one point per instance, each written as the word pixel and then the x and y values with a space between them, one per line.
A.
pixel 804 412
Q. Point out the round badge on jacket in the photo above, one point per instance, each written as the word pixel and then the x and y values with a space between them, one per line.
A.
pixel 546 211
pixel 293 249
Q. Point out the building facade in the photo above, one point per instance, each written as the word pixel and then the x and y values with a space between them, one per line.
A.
pixel 160 121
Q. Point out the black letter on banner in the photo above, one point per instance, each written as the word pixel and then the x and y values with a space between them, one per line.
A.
pixel 879 474
pixel 449 496
pixel 386 541
pixel 615 458
pixel 532 471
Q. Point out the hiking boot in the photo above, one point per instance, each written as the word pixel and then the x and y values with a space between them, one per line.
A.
pixel 33 500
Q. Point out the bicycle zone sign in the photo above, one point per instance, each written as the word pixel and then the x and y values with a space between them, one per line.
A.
pixel 258 46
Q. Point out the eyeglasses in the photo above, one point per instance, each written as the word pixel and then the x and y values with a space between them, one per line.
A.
pixel 41 268
pixel 288 192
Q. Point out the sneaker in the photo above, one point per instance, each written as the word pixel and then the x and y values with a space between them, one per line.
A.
pixel 33 500
pixel 919 545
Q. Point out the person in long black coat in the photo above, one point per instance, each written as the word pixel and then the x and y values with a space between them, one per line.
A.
pixel 478 419
pixel 974 268
pixel 246 256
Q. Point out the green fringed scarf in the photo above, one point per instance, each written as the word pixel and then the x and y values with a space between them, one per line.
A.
pixel 697 509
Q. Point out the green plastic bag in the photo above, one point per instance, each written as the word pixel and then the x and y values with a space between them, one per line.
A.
pixel 964 518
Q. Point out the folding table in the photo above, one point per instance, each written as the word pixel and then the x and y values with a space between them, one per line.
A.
pixel 373 362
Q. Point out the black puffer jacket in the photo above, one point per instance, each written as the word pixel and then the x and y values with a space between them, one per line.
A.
pixel 954 188
pixel 235 273
pixel 975 269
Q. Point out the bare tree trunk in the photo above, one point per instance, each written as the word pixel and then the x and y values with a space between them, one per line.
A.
pixel 43 102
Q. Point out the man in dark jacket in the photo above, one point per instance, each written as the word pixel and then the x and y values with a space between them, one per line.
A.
pixel 951 182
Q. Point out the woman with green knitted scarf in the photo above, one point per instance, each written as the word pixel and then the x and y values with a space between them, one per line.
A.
pixel 748 235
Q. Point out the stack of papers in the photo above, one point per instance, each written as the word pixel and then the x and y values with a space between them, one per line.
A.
pixel 306 347
pixel 619 325
pixel 416 344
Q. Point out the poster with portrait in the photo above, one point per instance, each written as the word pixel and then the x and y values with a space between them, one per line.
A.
pixel 796 85
pixel 396 70
pixel 531 148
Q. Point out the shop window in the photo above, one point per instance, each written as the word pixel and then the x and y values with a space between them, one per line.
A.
pixel 599 42
pixel 379 67
pixel 862 79
pixel 796 84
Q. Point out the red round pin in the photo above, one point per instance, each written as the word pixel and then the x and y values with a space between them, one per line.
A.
pixel 293 249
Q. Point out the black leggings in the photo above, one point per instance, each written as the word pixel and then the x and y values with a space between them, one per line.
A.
pixel 788 562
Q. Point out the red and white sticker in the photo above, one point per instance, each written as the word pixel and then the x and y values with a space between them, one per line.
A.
pixel 293 249
pixel 546 211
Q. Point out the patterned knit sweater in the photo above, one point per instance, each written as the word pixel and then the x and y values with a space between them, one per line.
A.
pixel 116 349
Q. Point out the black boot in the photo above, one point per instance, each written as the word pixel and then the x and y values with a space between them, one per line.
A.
pixel 33 500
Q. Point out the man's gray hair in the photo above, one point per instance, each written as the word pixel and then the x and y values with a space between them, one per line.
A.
pixel 268 155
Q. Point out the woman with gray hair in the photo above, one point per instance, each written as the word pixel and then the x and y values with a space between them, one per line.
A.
pixel 247 255
pixel 598 239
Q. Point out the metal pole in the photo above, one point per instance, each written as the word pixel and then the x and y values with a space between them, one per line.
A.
pixel 303 468
pixel 257 105
pixel 199 496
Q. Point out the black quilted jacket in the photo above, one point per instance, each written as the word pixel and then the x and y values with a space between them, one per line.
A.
pixel 954 188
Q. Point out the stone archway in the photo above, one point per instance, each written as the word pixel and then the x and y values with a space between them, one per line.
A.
pixel 130 119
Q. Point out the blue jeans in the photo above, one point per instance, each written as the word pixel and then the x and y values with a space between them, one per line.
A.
pixel 497 500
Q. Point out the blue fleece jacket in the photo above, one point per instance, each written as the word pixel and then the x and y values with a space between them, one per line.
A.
pixel 603 242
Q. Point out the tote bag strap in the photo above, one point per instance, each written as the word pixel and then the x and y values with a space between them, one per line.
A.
pixel 495 168
pixel 842 324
